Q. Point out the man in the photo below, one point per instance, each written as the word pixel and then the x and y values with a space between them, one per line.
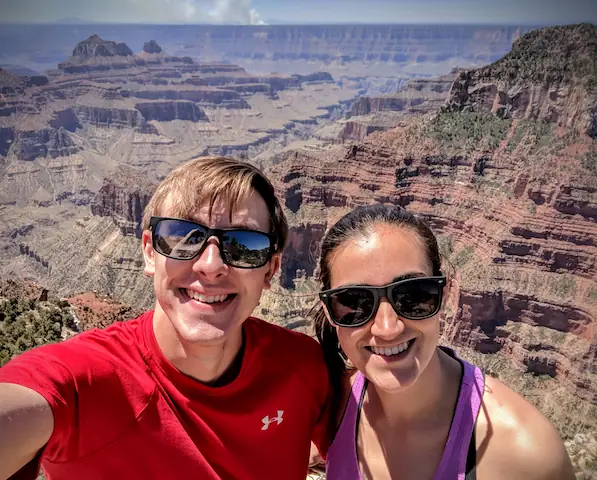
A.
pixel 196 388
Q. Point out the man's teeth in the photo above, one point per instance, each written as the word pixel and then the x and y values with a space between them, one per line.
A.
pixel 206 298
pixel 390 351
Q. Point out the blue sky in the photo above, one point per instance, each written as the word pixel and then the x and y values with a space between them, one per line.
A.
pixel 533 12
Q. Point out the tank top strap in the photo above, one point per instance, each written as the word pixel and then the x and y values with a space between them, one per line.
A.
pixel 342 462
pixel 453 462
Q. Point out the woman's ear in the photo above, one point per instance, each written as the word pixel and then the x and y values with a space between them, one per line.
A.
pixel 453 293
pixel 449 310
pixel 327 315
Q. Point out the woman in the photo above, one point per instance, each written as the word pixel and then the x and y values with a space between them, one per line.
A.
pixel 411 409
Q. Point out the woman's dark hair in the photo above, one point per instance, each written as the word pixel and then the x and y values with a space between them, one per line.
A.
pixel 360 222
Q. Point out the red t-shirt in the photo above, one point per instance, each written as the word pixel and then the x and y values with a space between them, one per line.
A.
pixel 123 411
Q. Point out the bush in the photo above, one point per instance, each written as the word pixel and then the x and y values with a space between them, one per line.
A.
pixel 26 324
pixel 589 160
pixel 468 130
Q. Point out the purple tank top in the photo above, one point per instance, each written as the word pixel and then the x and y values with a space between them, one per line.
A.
pixel 342 462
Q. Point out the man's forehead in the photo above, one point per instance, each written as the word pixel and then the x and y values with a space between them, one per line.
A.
pixel 250 211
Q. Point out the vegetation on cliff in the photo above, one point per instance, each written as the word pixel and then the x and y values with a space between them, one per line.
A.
pixel 467 131
pixel 549 55
pixel 27 323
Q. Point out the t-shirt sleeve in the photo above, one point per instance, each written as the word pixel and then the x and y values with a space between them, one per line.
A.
pixel 45 370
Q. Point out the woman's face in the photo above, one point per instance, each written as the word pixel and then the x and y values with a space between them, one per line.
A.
pixel 379 259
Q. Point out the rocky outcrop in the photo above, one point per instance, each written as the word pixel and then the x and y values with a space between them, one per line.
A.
pixel 66 119
pixel 539 83
pixel 318 77
pixel 303 243
pixel 96 53
pixel 7 136
pixel 202 96
pixel 418 96
pixel 47 142
pixel 123 197
pixel 100 116
pixel 358 130
pixel 152 47
pixel 95 46
pixel 175 110
pixel 94 310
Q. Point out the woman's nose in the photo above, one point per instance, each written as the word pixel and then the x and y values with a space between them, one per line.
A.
pixel 386 324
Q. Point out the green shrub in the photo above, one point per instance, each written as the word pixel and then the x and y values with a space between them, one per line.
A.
pixel 467 130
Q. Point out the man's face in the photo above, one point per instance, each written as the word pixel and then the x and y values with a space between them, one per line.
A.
pixel 205 300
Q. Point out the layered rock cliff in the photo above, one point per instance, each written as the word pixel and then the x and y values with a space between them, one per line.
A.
pixel 123 197
pixel 417 97
pixel 556 84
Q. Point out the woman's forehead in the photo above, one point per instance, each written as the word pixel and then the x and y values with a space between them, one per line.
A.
pixel 384 251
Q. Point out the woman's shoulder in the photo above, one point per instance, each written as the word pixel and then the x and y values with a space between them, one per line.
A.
pixel 514 440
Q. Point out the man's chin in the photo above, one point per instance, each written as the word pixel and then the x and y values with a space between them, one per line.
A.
pixel 208 333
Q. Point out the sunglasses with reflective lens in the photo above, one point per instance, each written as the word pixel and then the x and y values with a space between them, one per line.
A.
pixel 414 299
pixel 185 239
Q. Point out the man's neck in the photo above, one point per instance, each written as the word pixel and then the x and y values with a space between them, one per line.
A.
pixel 214 365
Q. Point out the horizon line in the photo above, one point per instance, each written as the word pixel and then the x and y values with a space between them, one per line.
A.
pixel 289 24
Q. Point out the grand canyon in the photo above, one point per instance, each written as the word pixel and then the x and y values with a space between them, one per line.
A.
pixel 487 132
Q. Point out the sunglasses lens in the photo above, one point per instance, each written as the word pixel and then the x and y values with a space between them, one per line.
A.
pixel 417 298
pixel 351 306
pixel 246 249
pixel 178 238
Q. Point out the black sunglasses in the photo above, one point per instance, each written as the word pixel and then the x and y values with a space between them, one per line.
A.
pixel 185 239
pixel 414 299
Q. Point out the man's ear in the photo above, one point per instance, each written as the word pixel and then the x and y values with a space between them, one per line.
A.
pixel 148 253
pixel 273 267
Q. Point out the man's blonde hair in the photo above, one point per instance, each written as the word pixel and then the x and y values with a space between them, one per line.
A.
pixel 208 179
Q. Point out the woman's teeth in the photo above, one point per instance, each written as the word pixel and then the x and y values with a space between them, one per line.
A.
pixel 390 351
pixel 207 298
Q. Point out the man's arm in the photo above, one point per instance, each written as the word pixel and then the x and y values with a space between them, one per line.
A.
pixel 26 424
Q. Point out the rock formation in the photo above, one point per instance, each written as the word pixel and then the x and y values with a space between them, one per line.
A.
pixel 417 97
pixel 123 197
pixel 152 47
pixel 534 82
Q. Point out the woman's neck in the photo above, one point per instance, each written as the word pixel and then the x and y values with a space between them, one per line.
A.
pixel 433 395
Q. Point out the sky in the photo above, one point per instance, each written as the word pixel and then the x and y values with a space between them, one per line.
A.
pixel 254 12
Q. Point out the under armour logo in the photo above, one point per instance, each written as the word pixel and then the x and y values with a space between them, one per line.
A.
pixel 267 421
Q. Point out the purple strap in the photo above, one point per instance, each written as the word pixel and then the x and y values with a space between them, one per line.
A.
pixel 453 462
pixel 342 461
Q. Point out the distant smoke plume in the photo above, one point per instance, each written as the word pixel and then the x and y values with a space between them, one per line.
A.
pixel 235 11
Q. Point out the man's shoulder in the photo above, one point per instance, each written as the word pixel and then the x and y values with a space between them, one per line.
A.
pixel 525 444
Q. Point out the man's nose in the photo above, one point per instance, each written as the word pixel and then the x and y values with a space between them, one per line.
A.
pixel 210 262
pixel 387 324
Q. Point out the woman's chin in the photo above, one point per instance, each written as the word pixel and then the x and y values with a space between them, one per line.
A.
pixel 392 382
